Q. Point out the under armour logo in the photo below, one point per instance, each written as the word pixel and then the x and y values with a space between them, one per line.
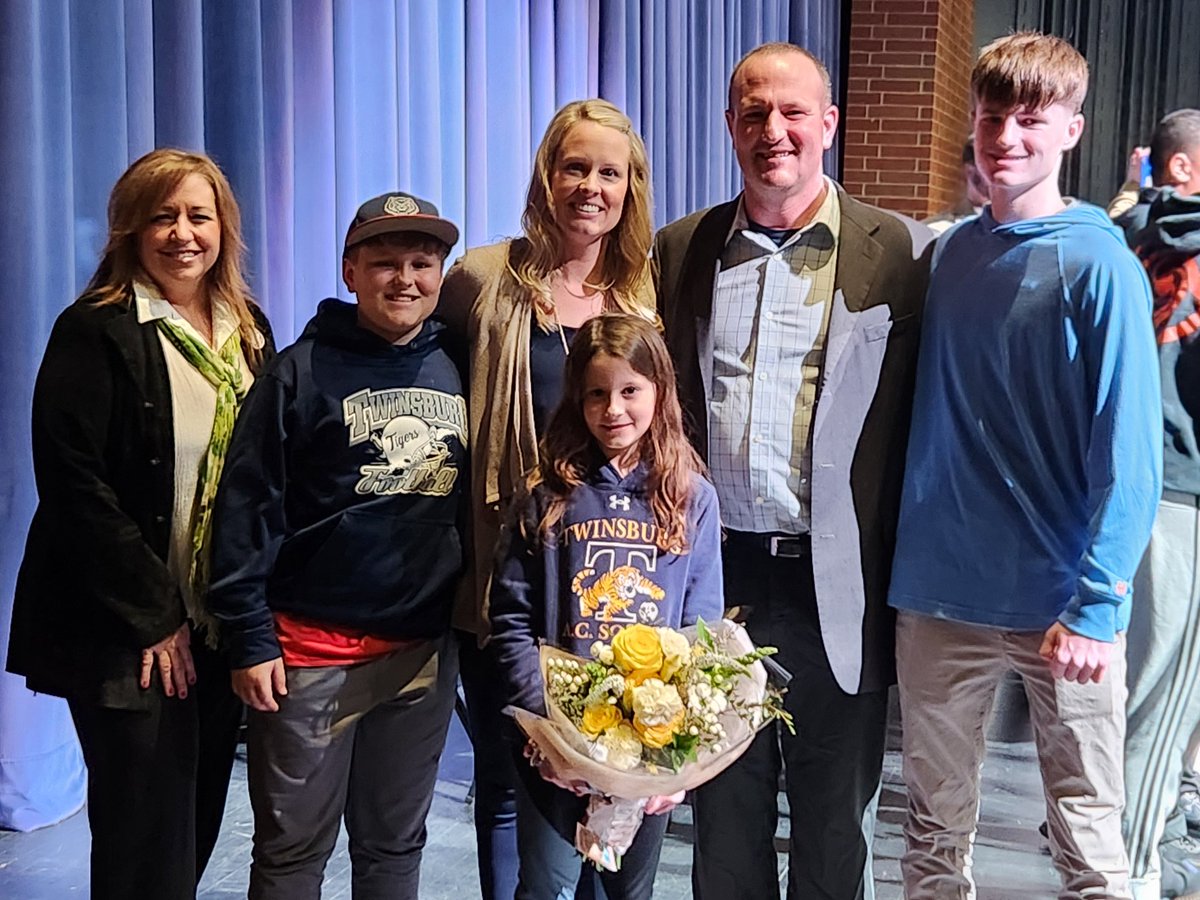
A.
pixel 614 501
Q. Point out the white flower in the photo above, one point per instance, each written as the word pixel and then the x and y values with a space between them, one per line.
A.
pixel 655 703
pixel 614 684
pixel 603 654
pixel 699 694
pixel 618 747
pixel 675 649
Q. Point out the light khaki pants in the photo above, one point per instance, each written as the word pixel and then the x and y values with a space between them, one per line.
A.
pixel 948 673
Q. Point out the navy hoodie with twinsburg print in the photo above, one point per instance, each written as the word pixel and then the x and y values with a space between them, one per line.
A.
pixel 341 496
pixel 601 572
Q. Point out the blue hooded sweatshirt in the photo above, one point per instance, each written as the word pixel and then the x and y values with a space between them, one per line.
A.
pixel 602 571
pixel 1035 457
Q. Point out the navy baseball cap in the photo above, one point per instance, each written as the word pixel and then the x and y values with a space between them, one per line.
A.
pixel 399 212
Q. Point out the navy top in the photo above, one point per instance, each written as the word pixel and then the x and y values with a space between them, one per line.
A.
pixel 340 497
pixel 778 235
pixel 602 572
pixel 547 372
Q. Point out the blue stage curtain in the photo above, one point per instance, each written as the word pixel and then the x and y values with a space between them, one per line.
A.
pixel 311 106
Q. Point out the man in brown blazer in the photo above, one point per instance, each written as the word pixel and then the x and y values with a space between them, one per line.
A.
pixel 793 316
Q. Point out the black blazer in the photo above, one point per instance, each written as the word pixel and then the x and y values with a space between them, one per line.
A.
pixel 93 588
pixel 862 416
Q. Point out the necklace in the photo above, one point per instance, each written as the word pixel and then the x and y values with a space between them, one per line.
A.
pixel 559 326
pixel 587 288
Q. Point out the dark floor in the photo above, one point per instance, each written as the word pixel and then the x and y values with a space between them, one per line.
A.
pixel 51 864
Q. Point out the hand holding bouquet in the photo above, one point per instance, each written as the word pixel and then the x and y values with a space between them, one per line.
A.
pixel 657 712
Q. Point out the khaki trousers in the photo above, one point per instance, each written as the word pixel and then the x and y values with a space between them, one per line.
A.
pixel 948 673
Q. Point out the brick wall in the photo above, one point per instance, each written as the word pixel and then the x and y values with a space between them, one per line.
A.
pixel 906 109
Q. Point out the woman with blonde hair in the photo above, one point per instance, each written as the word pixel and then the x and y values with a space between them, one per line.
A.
pixel 516 305
pixel 132 412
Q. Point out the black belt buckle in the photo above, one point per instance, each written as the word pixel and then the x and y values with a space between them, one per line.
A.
pixel 785 546
pixel 777 674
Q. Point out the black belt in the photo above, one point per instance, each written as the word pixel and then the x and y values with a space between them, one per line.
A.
pixel 785 546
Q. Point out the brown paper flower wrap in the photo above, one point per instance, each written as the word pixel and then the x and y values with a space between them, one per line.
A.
pixel 648 689
pixel 571 754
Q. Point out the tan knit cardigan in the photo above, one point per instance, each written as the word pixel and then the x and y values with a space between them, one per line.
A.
pixel 485 306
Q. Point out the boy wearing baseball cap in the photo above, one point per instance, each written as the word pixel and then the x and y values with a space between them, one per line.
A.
pixel 336 552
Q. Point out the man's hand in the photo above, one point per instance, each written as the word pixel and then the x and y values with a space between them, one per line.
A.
pixel 257 686
pixel 173 655
pixel 1133 169
pixel 1074 657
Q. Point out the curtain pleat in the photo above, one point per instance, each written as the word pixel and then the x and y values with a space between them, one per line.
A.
pixel 41 768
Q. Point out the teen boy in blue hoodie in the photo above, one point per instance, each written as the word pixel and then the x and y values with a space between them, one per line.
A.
pixel 336 555
pixel 1034 468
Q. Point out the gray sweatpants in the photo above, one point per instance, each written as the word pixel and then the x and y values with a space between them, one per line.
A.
pixel 1164 697
pixel 361 741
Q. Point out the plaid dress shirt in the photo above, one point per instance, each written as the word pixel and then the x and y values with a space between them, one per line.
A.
pixel 770 316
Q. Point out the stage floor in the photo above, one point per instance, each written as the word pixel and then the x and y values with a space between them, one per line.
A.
pixel 1011 860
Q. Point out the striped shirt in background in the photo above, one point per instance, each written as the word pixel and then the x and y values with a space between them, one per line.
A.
pixel 770 316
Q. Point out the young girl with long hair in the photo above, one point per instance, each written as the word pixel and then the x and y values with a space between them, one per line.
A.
pixel 516 304
pixel 619 526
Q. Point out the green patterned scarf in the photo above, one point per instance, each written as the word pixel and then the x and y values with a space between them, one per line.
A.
pixel 223 371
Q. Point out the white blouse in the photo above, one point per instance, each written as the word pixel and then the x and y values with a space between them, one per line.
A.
pixel 193 406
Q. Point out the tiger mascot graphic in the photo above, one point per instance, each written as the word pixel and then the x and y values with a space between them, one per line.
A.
pixel 612 592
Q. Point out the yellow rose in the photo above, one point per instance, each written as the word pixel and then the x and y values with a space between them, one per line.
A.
pixel 599 717
pixel 658 736
pixel 637 647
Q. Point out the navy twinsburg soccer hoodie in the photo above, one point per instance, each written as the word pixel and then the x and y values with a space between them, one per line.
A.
pixel 341 497
pixel 602 571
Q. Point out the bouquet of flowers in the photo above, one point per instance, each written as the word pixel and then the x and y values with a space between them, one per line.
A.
pixel 656 712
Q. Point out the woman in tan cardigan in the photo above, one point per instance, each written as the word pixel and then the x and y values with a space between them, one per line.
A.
pixel 516 305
